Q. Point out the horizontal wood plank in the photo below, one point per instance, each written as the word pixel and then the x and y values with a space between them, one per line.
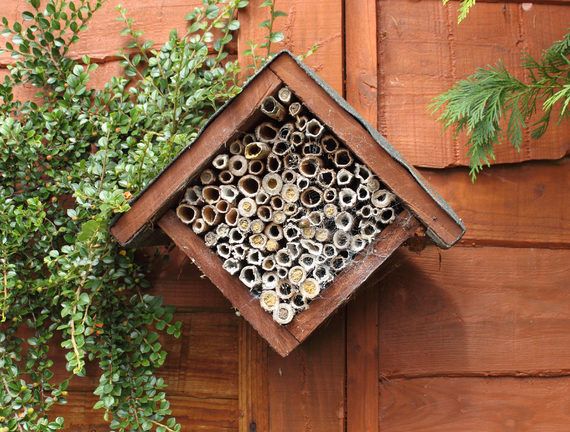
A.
pixel 192 159
pixel 475 405
pixel 349 130
pixel 523 205
pixel 423 52
pixel 476 311
pixel 231 287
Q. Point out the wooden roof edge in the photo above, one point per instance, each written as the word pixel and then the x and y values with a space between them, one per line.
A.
pixel 138 238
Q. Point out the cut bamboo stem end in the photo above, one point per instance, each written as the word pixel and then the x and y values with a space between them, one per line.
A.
pixel 187 213
pixel 272 108
pixel 256 150
pixel 284 94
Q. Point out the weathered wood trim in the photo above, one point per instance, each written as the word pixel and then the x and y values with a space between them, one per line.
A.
pixel 231 287
pixel 155 198
pixel 348 129
pixel 348 281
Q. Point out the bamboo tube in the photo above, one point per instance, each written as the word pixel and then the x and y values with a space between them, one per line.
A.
pixel 330 144
pixel 362 173
pixel 224 250
pixel 236 236
pixel 254 257
pixel 344 177
pixel 255 167
pixel 291 232
pixel 357 243
pixel 295 109
pixel 222 230
pixel 207 177
pixel 250 277
pixel 247 207
pixel 322 235
pixel 239 251
pixel 193 195
pixel 326 178
pixel 236 147
pixel 289 176
pixel 249 185
pixel 268 301
pixel 247 138
pixel 315 218
pixel 283 314
pixel 313 247
pixel 338 263
pixel 266 133
pixel 262 197
pixel 291 209
pixel 273 163
pixel 272 108
pixel 314 129
pixel 373 184
pixel 211 194
pixel 311 197
pixel 226 177
pixel 282 272
pixel 265 213
pixel 231 217
pixel 244 224
pixel 341 240
pixel 368 231
pixel 256 150
pixel 281 148
pixel 272 183
pixel 323 274
pixel 365 211
pixel 283 258
pixel 310 288
pixel 237 165
pixel 330 211
pixel 301 123
pixel 285 131
pixel 268 263
pixel 298 302
pixel 272 245
pixel 294 249
pixel 330 195
pixel 274 231
pixel 309 166
pixel 257 226
pixel 362 193
pixel 342 158
pixel 329 250
pixel 297 275
pixel 285 95
pixel 199 226
pixel 210 239
pixel 344 221
pixel 297 138
pixel 277 202
pixel 382 198
pixel 347 198
pixel 312 149
pixel 228 193
pixel 231 265
pixel 308 261
pixel 187 213
pixel 221 161
pixel 291 161
pixel 279 217
pixel 258 241
pixel 387 215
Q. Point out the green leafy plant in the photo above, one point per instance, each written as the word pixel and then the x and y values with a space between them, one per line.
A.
pixel 478 104
pixel 70 159
pixel 464 8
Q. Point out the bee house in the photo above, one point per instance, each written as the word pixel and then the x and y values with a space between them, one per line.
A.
pixel 287 201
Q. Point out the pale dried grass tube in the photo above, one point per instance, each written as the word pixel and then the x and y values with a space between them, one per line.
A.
pixel 281 148
pixel 310 288
pixel 295 109
pixel 272 245
pixel 362 173
pixel 236 236
pixel 210 215
pixel 193 195
pixel 314 129
pixel 228 193
pixel 247 207
pixel 250 276
pixel 268 263
pixel 330 211
pixel 289 176
pixel 249 185
pixel 279 217
pixel 224 250
pixel 232 266
pixel 299 303
pixel 283 314
pixel 199 226
pixel 262 197
pixel 347 198
pixel 276 202
pixel 315 218
pixel 362 193
pixel 211 194
pixel 387 215
pixel 358 243
pixel 285 131
pixel 226 177
pixel 254 257
pixel 272 183
pixel 330 195
pixel 291 209
pixel 311 197
pixel 365 211
pixel 282 272
pixel 207 177
pixel 285 95
pixel 313 247
pixel 211 239
pixel 285 290
pixel 302 182
pixel 326 178
pixel 237 165
pixel 256 150
pixel 283 258
pixel 187 213
pixel 297 138
pixel 236 147
pixel 368 230
pixel 309 166
pixel 341 240
pixel 344 221
pixel 308 261
pixel 291 161
pixel 274 231
pixel 268 301
pixel 231 217
pixel 272 108
pixel 255 167
pixel 247 138
pixel 330 144
pixel 220 162
pixel 329 250
pixel 258 241
pixel 373 184
pixel 266 133
pixel 323 274
pixel 222 230
pixel 244 224
pixel 222 206
pixel 301 123
pixel 344 177
pixel 312 149
pixel 265 213
pixel 322 235
pixel 257 226
pixel 297 275
pixel 382 198
pixel 291 232
pixel 342 158
pixel 273 163
pixel 239 251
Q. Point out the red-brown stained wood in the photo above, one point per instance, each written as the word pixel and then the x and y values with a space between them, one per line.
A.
pixel 253 382
pixel 306 23
pixel 194 414
pixel 476 311
pixel 422 52
pixel 230 286
pixel 522 205
pixel 190 162
pixel 475 405
pixel 346 283
pixel 307 388
pixel 347 128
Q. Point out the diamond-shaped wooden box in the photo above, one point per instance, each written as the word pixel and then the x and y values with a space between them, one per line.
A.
pixel 418 205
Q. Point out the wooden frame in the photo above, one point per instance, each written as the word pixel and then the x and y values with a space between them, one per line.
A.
pixel 421 207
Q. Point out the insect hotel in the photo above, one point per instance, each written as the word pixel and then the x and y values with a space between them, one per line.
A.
pixel 287 201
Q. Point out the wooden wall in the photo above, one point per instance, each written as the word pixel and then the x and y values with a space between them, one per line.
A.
pixel 471 339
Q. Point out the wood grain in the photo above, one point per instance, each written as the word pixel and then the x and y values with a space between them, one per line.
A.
pixel 476 311
pixel 475 405
pixel 348 129
pixel 522 206
pixel 422 52
pixel 306 23
pixel 307 388
pixel 191 160
pixel 231 287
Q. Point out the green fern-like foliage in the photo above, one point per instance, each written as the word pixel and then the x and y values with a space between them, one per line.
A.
pixel 477 104
pixel 464 8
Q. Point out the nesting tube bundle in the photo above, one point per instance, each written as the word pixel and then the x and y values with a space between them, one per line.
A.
pixel 287 206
